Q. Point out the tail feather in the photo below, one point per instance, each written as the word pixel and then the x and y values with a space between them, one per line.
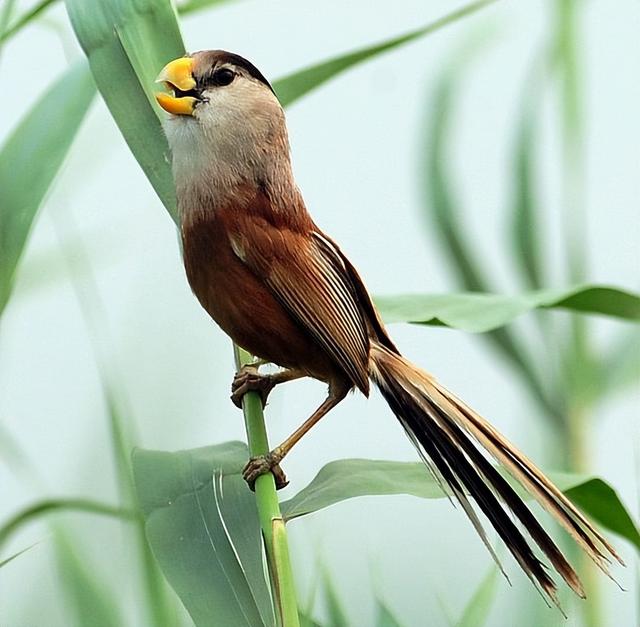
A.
pixel 444 429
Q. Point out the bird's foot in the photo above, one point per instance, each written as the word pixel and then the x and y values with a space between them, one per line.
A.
pixel 248 379
pixel 263 464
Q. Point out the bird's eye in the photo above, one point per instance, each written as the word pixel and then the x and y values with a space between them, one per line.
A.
pixel 223 77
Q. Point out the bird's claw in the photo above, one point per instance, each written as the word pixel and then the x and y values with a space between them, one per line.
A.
pixel 263 464
pixel 248 379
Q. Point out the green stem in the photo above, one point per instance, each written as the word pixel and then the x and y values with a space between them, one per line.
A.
pixel 271 521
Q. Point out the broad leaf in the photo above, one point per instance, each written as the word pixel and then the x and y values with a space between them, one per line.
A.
pixel 349 478
pixel 202 524
pixel 601 502
pixel 478 312
pixel 41 139
pixel 127 44
pixel 296 85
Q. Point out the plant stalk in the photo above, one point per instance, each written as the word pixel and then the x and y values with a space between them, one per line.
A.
pixel 273 527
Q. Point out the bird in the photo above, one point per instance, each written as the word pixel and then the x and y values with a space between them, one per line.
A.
pixel 283 290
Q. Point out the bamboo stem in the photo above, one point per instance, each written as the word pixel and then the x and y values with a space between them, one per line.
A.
pixel 273 528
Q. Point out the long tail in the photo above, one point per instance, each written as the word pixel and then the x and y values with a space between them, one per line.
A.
pixel 446 433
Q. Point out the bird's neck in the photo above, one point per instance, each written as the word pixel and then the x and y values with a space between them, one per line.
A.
pixel 215 172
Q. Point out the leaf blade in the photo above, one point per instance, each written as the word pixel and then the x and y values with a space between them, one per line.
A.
pixel 192 502
pixel 481 312
pixel 44 136
pixel 291 88
pixel 125 54
pixel 349 478
pixel 477 609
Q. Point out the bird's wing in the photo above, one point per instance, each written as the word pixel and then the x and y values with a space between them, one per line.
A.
pixel 307 275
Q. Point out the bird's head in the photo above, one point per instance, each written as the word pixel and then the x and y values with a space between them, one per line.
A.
pixel 224 114
pixel 213 83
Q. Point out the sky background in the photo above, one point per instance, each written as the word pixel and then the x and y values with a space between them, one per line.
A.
pixel 357 145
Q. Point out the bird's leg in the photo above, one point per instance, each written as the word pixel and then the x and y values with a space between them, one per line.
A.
pixel 248 379
pixel 262 464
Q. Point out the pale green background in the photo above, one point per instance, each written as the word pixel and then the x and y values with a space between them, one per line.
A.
pixel 356 148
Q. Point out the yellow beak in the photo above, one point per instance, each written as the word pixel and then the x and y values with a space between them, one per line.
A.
pixel 177 75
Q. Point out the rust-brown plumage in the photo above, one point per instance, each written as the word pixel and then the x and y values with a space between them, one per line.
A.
pixel 285 292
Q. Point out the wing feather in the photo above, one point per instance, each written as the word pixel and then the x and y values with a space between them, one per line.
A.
pixel 306 273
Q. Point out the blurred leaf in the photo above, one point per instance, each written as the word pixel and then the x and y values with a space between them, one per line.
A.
pixel 158 605
pixel 202 524
pixel 603 504
pixel 477 609
pixel 48 506
pixel 296 85
pixel 42 139
pixel 384 617
pixel 127 44
pixel 477 312
pixel 441 203
pixel 565 62
pixel 5 561
pixel 336 614
pixel 348 478
pixel 5 17
pixel 23 20
pixel 439 197
pixel 86 596
pixel 13 455
pixel 525 227
pixel 620 367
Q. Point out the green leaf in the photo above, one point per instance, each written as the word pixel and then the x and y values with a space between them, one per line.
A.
pixel 348 478
pixel 620 367
pixel 307 621
pixel 5 17
pixel 296 85
pixel 524 224
pixel 602 503
pixel 439 198
pixel 477 609
pixel 127 44
pixel 335 611
pixel 384 616
pixel 202 524
pixel 30 160
pixel 48 506
pixel 26 18
pixel 477 312
pixel 86 595
pixel 443 207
